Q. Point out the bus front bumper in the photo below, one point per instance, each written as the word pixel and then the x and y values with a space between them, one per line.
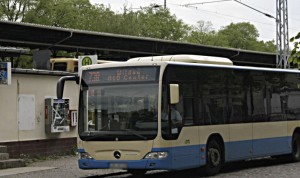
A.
pixel 149 164
pixel 129 164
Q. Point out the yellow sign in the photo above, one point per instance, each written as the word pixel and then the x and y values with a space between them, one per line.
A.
pixel 86 61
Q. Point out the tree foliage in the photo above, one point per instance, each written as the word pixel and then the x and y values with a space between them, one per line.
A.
pixel 58 13
pixel 202 33
pixel 159 23
pixel 295 54
pixel 240 35
pixel 15 10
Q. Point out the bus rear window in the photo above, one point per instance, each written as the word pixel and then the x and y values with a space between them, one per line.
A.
pixel 75 66
pixel 61 66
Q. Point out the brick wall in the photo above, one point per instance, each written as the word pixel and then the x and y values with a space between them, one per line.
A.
pixel 37 148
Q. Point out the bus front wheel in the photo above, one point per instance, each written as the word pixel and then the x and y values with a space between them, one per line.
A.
pixel 296 147
pixel 213 158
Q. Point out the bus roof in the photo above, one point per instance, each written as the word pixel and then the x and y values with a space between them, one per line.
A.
pixel 185 58
pixel 63 59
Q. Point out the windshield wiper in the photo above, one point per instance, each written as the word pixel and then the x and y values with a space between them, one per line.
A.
pixel 91 137
pixel 136 134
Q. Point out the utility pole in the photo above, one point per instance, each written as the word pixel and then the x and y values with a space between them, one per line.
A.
pixel 165 4
pixel 282 34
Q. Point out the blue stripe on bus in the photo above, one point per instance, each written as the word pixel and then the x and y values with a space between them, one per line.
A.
pixel 272 146
pixel 247 149
pixel 238 150
pixel 184 157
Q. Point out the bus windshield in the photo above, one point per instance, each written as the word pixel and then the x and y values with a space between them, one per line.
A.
pixel 120 109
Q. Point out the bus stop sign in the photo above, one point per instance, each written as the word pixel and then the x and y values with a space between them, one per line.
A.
pixel 86 60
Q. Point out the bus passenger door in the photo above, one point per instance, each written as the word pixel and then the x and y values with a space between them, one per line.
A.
pixel 186 152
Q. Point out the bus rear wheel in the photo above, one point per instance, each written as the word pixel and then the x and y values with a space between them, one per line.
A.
pixel 213 158
pixel 296 147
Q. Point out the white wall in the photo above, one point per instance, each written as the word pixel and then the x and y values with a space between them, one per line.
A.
pixel 37 87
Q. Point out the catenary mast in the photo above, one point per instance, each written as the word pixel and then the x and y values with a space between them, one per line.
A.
pixel 282 34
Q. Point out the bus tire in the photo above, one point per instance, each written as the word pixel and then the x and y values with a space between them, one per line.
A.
pixel 296 147
pixel 213 158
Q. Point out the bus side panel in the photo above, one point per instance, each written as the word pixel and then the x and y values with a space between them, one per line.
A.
pixel 185 150
pixel 292 126
pixel 240 145
pixel 184 157
pixel 270 138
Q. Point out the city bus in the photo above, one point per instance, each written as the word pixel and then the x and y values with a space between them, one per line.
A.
pixel 228 113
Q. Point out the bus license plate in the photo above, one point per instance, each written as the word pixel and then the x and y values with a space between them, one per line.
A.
pixel 118 166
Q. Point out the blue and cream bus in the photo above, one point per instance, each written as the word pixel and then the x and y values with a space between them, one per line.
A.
pixel 228 112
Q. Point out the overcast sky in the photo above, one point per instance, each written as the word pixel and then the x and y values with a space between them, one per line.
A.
pixel 222 13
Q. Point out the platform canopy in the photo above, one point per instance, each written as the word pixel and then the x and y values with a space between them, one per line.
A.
pixel 117 47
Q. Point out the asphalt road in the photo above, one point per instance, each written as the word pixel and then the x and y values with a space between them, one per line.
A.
pixel 66 167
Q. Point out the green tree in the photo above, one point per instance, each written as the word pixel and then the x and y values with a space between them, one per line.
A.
pixel 240 35
pixel 295 54
pixel 202 33
pixel 120 23
pixel 61 13
pixel 159 23
pixel 15 10
pixel 268 46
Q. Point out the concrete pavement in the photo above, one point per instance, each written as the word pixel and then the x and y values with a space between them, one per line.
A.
pixel 16 171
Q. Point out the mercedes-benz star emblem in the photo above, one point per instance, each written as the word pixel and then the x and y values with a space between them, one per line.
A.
pixel 117 154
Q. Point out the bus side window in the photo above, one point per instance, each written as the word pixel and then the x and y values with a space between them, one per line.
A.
pixel 259 112
pixel 239 97
pixel 187 96
pixel 275 96
pixel 214 97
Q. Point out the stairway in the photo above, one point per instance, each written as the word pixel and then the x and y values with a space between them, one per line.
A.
pixel 6 163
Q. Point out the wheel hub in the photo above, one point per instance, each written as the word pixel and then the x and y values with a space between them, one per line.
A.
pixel 214 156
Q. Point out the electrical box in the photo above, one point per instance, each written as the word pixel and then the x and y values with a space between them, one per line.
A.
pixel 57 115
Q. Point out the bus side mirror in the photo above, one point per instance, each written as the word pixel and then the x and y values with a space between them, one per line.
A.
pixel 174 93
pixel 61 85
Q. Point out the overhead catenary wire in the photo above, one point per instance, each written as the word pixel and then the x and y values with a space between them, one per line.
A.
pixel 268 15
pixel 207 2
pixel 191 5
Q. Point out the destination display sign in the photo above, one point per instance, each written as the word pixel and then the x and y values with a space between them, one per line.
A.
pixel 120 75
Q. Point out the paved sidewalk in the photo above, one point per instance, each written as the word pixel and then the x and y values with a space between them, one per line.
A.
pixel 16 171
pixel 65 166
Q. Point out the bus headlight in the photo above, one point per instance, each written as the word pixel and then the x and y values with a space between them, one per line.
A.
pixel 84 155
pixel 156 155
